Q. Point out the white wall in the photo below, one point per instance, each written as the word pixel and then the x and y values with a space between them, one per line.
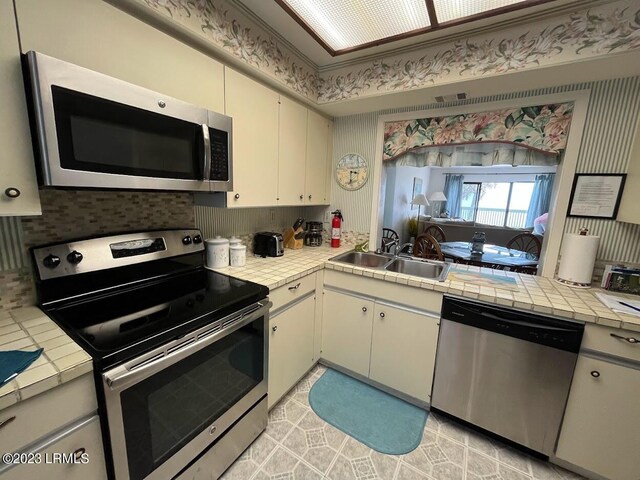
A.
pixel 398 195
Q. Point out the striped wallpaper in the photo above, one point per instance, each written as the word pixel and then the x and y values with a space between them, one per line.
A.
pixel 612 116
pixel 12 249
pixel 243 221
pixel 611 121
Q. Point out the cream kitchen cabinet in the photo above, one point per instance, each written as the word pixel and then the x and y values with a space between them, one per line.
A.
pixel 18 183
pixel 99 36
pixel 290 345
pixel 403 349
pixel 601 427
pixel 347 324
pixel 29 427
pixel 385 332
pixel 304 150
pixel 254 109
pixel 292 152
pixel 317 159
pixel 81 442
pixel 292 328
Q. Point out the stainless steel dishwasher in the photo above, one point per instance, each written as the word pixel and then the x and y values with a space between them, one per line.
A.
pixel 506 371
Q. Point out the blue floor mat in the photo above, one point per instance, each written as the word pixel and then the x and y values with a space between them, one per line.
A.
pixel 379 420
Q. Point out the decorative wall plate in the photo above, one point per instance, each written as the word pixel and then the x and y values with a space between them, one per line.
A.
pixel 352 171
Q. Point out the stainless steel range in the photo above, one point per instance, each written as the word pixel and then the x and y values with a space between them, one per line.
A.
pixel 180 352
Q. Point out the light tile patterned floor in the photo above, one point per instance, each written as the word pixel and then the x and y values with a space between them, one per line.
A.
pixel 299 445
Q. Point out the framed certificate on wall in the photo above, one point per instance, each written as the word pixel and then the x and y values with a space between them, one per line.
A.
pixel 596 195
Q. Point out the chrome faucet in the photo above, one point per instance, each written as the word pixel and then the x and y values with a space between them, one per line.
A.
pixel 400 247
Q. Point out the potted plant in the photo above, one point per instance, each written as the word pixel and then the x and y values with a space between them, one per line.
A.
pixel 412 227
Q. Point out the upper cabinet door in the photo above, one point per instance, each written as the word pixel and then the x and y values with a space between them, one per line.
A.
pixel 629 211
pixel 254 109
pixel 317 159
pixel 18 184
pixel 99 36
pixel 292 149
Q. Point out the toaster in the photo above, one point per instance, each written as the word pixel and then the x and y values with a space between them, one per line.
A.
pixel 268 244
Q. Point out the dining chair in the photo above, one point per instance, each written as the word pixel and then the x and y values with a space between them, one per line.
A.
pixel 427 247
pixel 526 242
pixel 388 237
pixel 436 232
pixel 529 243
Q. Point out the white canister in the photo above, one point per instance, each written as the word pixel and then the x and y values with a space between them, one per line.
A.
pixel 217 252
pixel 234 241
pixel 238 255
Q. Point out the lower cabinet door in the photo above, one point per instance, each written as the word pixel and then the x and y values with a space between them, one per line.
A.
pixel 290 347
pixel 601 427
pixel 346 331
pixel 76 456
pixel 403 350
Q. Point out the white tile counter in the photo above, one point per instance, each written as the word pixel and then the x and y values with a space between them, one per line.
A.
pixel 62 360
pixel 533 293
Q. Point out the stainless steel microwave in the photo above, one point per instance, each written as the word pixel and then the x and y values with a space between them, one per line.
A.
pixel 95 131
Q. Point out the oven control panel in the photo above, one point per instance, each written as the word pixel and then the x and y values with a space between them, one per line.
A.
pixel 94 254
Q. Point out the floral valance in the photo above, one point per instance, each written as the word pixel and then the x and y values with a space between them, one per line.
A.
pixel 540 127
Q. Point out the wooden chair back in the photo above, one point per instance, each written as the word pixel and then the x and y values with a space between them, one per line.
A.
pixel 526 242
pixel 388 236
pixel 436 232
pixel 427 247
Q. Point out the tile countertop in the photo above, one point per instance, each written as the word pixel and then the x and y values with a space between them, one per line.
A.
pixel 62 360
pixel 533 293
pixel 29 328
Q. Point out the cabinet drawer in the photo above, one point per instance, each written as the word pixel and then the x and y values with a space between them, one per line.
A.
pixel 40 415
pixel 83 441
pixel 601 427
pixel 600 339
pixel 281 296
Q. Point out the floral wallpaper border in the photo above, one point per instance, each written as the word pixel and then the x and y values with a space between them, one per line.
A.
pixel 614 27
pixel 543 127
pixel 227 29
pixel 608 28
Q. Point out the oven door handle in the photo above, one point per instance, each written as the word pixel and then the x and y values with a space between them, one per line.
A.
pixel 170 354
pixel 206 141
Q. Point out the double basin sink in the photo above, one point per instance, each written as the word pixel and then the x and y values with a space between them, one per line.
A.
pixel 431 269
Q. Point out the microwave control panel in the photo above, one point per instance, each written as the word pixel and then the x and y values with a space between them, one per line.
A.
pixel 219 155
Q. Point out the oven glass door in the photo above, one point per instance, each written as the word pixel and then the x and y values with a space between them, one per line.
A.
pixel 165 411
pixel 102 136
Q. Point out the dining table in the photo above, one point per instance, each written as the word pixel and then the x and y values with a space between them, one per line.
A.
pixel 491 256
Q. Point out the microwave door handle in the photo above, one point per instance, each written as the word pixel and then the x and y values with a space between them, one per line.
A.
pixel 206 140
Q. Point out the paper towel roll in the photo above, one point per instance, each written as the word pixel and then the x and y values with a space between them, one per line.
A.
pixel 578 257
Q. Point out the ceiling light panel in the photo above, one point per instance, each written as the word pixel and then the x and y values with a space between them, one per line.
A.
pixel 345 24
pixel 448 10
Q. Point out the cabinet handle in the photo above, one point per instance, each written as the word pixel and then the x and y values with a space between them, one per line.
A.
pixel 12 192
pixel 381 314
pixel 274 328
pixel 7 421
pixel 301 197
pixel 236 196
pixel 364 309
pixel 77 455
pixel 595 373
pixel 309 197
pixel 295 287
pixel 626 339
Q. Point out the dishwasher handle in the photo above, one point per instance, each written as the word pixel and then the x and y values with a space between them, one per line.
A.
pixel 524 323
pixel 528 326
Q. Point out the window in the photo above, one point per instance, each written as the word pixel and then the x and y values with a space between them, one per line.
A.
pixel 502 204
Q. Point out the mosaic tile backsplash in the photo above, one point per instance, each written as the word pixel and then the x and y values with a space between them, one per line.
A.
pixel 68 214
